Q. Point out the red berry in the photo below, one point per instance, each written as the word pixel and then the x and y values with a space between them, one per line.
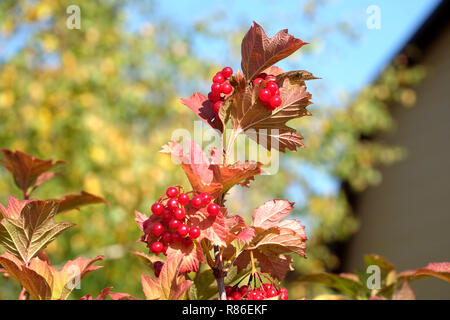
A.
pixel 272 86
pixel 196 202
pixel 230 298
pixel 271 293
pixel 186 242
pixel 194 232
pixel 243 290
pixel 257 81
pixel 174 223
pixel 164 250
pixel 216 88
pixel 236 295
pixel 228 290
pixel 179 213
pixel 270 78
pixel 252 295
pixel 206 198
pixel 275 102
pixel 213 209
pixel 158 266
pixel 282 289
pixel 276 93
pixel 172 192
pixel 183 199
pixel 216 106
pixel 145 225
pixel 167 237
pixel 183 230
pixel 214 97
pixel 172 204
pixel 227 72
pixel 226 88
pixel 267 286
pixel 219 78
pixel 157 229
pixel 284 296
pixel 265 95
pixel 167 214
pixel 259 296
pixel 157 247
pixel 157 208
pixel 176 237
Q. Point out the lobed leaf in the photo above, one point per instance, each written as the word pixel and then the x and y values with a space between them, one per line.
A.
pixel 74 201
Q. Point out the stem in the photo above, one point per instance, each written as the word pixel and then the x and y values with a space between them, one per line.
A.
pixel 219 274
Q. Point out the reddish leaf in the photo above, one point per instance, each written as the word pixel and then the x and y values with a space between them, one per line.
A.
pixel 270 213
pixel 202 107
pixel 140 219
pixel 34 283
pixel 260 52
pixel 13 209
pixel 211 227
pixel 269 128
pixel 107 292
pixel 73 201
pixel 403 291
pixel 191 257
pixel 439 270
pixel 33 230
pixel 237 228
pixel 26 169
pixel 169 285
pixel 238 173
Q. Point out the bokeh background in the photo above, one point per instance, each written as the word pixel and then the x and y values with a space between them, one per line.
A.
pixel 106 97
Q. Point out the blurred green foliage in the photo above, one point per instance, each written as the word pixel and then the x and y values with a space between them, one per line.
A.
pixel 106 98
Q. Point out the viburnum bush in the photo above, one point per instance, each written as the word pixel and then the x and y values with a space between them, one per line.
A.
pixel 197 248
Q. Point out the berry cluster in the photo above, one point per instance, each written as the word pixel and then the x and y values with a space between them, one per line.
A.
pixel 269 95
pixel 267 290
pixel 171 223
pixel 220 88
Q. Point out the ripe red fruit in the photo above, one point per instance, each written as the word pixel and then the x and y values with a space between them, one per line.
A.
pixel 176 237
pixel 265 95
pixel 194 232
pixel 179 213
pixel 230 298
pixel 172 192
pixel 272 86
pixel 196 202
pixel 275 102
pixel 252 294
pixel 214 97
pixel 157 247
pixel 164 250
pixel 174 223
pixel 267 286
pixel 243 290
pixel 186 242
pixel 206 198
pixel 167 237
pixel 145 225
pixel 157 267
pixel 157 229
pixel 216 88
pixel 216 106
pixel 172 204
pixel 226 88
pixel 183 199
pixel 271 293
pixel 183 230
pixel 157 208
pixel 167 214
pixel 284 296
pixel 257 81
pixel 282 289
pixel 219 78
pixel 227 72
pixel 228 290
pixel 259 296
pixel 213 209
pixel 236 295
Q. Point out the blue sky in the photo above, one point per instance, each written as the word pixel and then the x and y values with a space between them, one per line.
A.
pixel 345 65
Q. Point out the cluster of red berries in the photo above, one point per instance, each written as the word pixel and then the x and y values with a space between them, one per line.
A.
pixel 220 86
pixel 173 226
pixel 269 95
pixel 266 291
pixel 157 266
